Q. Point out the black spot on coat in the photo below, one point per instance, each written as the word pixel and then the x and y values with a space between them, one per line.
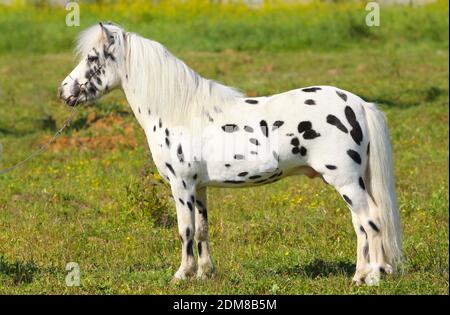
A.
pixel 180 153
pixel 311 89
pixel 248 128
pixel 362 230
pixel 356 132
pixel 170 168
pixel 333 120
pixel 230 128
pixel 303 151
pixel 304 126
pixel 310 102
pixel 199 248
pixel 342 95
pixel 361 184
pixel 190 248
pixel 310 134
pixel 251 101
pixel 277 124
pixel 264 128
pixel 374 226
pixel 348 200
pixel 92 89
pixel 331 167
pixel 354 155
pixel 275 155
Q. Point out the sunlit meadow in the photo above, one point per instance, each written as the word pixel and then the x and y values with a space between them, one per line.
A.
pixel 95 198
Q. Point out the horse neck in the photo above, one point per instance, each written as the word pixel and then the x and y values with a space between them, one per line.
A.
pixel 154 80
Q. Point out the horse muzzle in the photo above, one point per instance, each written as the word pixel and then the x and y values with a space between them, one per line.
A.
pixel 69 95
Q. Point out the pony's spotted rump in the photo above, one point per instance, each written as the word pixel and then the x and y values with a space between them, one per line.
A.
pixel 204 134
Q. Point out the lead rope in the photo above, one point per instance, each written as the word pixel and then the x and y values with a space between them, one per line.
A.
pixel 45 145
pixel 58 133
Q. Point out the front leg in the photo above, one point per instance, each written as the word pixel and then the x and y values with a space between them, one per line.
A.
pixel 184 195
pixel 205 264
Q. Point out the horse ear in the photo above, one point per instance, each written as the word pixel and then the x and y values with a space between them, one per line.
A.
pixel 108 35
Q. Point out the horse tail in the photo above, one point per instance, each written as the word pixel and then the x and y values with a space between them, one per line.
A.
pixel 381 184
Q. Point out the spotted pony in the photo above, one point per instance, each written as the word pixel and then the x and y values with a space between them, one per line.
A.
pixel 204 134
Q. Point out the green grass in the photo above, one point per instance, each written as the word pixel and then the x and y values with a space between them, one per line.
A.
pixel 196 26
pixel 90 199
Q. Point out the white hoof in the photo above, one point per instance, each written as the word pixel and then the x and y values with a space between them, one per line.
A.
pixel 206 272
pixel 357 281
pixel 360 275
pixel 182 274
pixel 373 278
pixel 178 277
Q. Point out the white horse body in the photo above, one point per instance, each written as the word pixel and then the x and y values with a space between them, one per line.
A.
pixel 263 156
pixel 202 134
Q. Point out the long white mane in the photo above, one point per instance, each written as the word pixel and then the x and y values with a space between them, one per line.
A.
pixel 156 79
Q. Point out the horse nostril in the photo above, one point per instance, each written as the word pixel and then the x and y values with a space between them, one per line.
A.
pixel 76 90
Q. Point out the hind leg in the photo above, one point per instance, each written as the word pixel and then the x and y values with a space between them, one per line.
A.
pixel 351 187
pixel 360 204
pixel 362 251
pixel 375 238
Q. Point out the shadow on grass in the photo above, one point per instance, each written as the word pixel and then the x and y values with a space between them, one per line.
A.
pixel 14 132
pixel 319 268
pixel 429 94
pixel 20 272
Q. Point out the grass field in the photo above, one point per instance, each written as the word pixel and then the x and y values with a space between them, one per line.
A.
pixel 92 199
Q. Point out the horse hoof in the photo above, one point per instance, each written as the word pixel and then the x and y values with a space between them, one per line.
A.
pixel 358 281
pixel 360 275
pixel 206 273
pixel 373 279
pixel 179 277
pixel 387 269
pixel 176 280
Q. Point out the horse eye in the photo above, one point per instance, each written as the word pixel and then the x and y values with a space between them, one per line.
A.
pixel 92 58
